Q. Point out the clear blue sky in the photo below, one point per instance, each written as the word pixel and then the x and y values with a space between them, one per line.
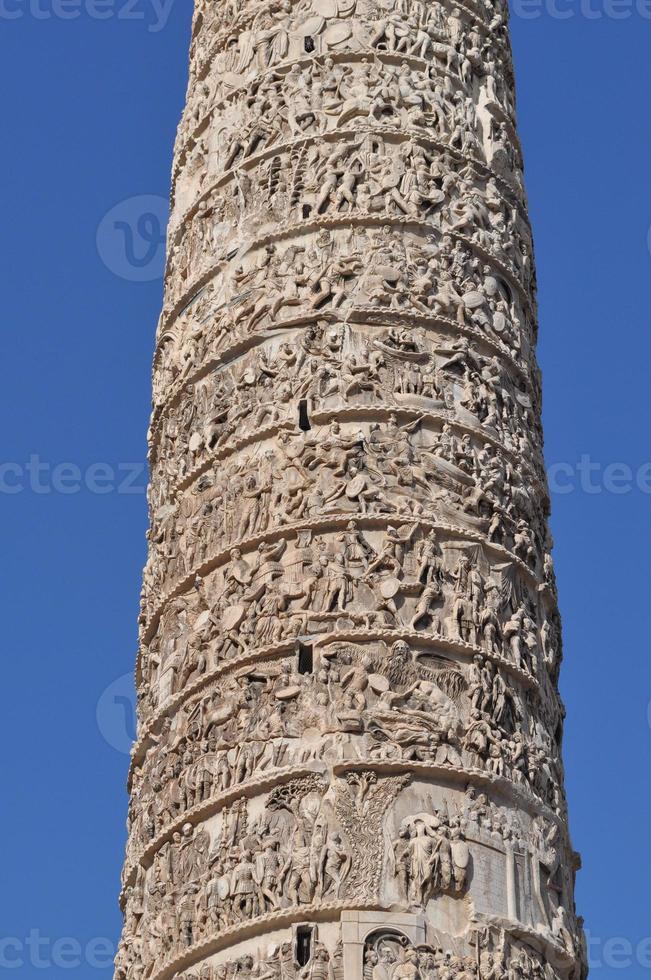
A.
pixel 89 114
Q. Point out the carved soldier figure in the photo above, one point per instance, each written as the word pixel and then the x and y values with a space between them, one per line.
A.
pixel 244 890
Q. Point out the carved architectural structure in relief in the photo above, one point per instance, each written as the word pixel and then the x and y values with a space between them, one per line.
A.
pixel 348 760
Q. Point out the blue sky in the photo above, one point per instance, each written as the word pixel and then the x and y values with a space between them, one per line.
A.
pixel 90 108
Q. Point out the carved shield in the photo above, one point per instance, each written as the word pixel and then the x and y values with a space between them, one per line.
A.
pixel 287 693
pixel 233 616
pixel 499 322
pixel 325 8
pixel 355 487
pixel 460 853
pixel 337 33
pixel 389 587
pixel 202 619
pixel 241 572
pixel 314 25
pixel 491 286
pixel 378 683
pixel 473 300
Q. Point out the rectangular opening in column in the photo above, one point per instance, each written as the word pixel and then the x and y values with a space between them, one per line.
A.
pixel 303 945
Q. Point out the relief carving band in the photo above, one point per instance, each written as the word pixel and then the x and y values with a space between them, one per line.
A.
pixel 348 763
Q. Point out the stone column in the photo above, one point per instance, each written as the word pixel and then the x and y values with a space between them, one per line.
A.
pixel 348 759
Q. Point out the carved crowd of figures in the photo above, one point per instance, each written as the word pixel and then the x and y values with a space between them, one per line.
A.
pixel 200 885
pixel 412 469
pixel 327 371
pixel 430 855
pixel 300 850
pixel 368 178
pixel 357 702
pixel 493 956
pixel 391 32
pixel 352 97
pixel 390 956
pixel 396 579
pixel 326 95
pixel 277 963
pixel 459 46
pixel 347 270
pixel 345 469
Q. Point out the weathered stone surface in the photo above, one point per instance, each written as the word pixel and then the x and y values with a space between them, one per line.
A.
pixel 348 759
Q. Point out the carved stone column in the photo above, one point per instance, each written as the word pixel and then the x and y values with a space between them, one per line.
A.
pixel 348 759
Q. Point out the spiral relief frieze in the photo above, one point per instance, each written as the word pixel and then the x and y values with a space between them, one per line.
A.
pixel 348 763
